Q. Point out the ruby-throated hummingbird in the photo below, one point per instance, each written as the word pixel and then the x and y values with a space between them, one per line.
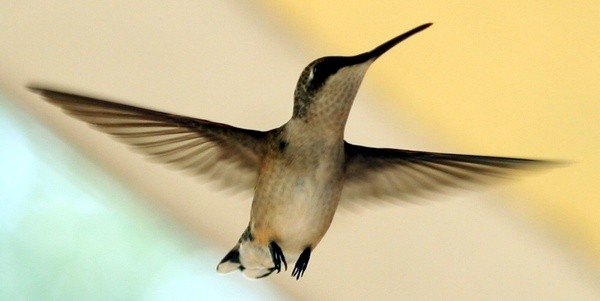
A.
pixel 299 171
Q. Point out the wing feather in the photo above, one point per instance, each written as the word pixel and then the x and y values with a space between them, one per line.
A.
pixel 195 145
pixel 395 173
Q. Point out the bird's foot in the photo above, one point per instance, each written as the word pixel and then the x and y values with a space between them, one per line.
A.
pixel 301 264
pixel 277 256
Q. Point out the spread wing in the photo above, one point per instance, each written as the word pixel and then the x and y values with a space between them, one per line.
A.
pixel 220 151
pixel 395 173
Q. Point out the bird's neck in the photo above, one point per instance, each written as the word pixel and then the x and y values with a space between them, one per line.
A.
pixel 325 117
pixel 317 130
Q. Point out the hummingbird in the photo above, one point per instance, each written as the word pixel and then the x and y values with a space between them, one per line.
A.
pixel 299 171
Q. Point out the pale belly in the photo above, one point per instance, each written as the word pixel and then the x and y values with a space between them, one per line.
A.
pixel 295 207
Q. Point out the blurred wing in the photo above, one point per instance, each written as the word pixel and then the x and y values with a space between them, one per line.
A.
pixel 227 153
pixel 395 173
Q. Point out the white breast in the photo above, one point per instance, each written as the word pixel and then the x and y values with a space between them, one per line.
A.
pixel 310 205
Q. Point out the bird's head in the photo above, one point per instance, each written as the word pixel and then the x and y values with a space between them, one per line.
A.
pixel 327 86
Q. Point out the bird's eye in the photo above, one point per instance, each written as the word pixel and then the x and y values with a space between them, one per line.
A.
pixel 317 75
pixel 313 72
pixel 322 70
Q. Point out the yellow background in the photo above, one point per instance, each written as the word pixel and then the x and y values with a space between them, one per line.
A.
pixel 517 78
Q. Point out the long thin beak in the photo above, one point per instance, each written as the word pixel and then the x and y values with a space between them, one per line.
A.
pixel 383 48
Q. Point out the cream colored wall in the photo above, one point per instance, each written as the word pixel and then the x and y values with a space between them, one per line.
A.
pixel 514 80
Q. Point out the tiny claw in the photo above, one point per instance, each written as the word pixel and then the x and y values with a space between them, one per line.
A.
pixel 277 256
pixel 301 264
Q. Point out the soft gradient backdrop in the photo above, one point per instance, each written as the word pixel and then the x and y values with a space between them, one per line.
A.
pixel 511 78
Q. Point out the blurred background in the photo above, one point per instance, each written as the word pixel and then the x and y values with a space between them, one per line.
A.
pixel 84 218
